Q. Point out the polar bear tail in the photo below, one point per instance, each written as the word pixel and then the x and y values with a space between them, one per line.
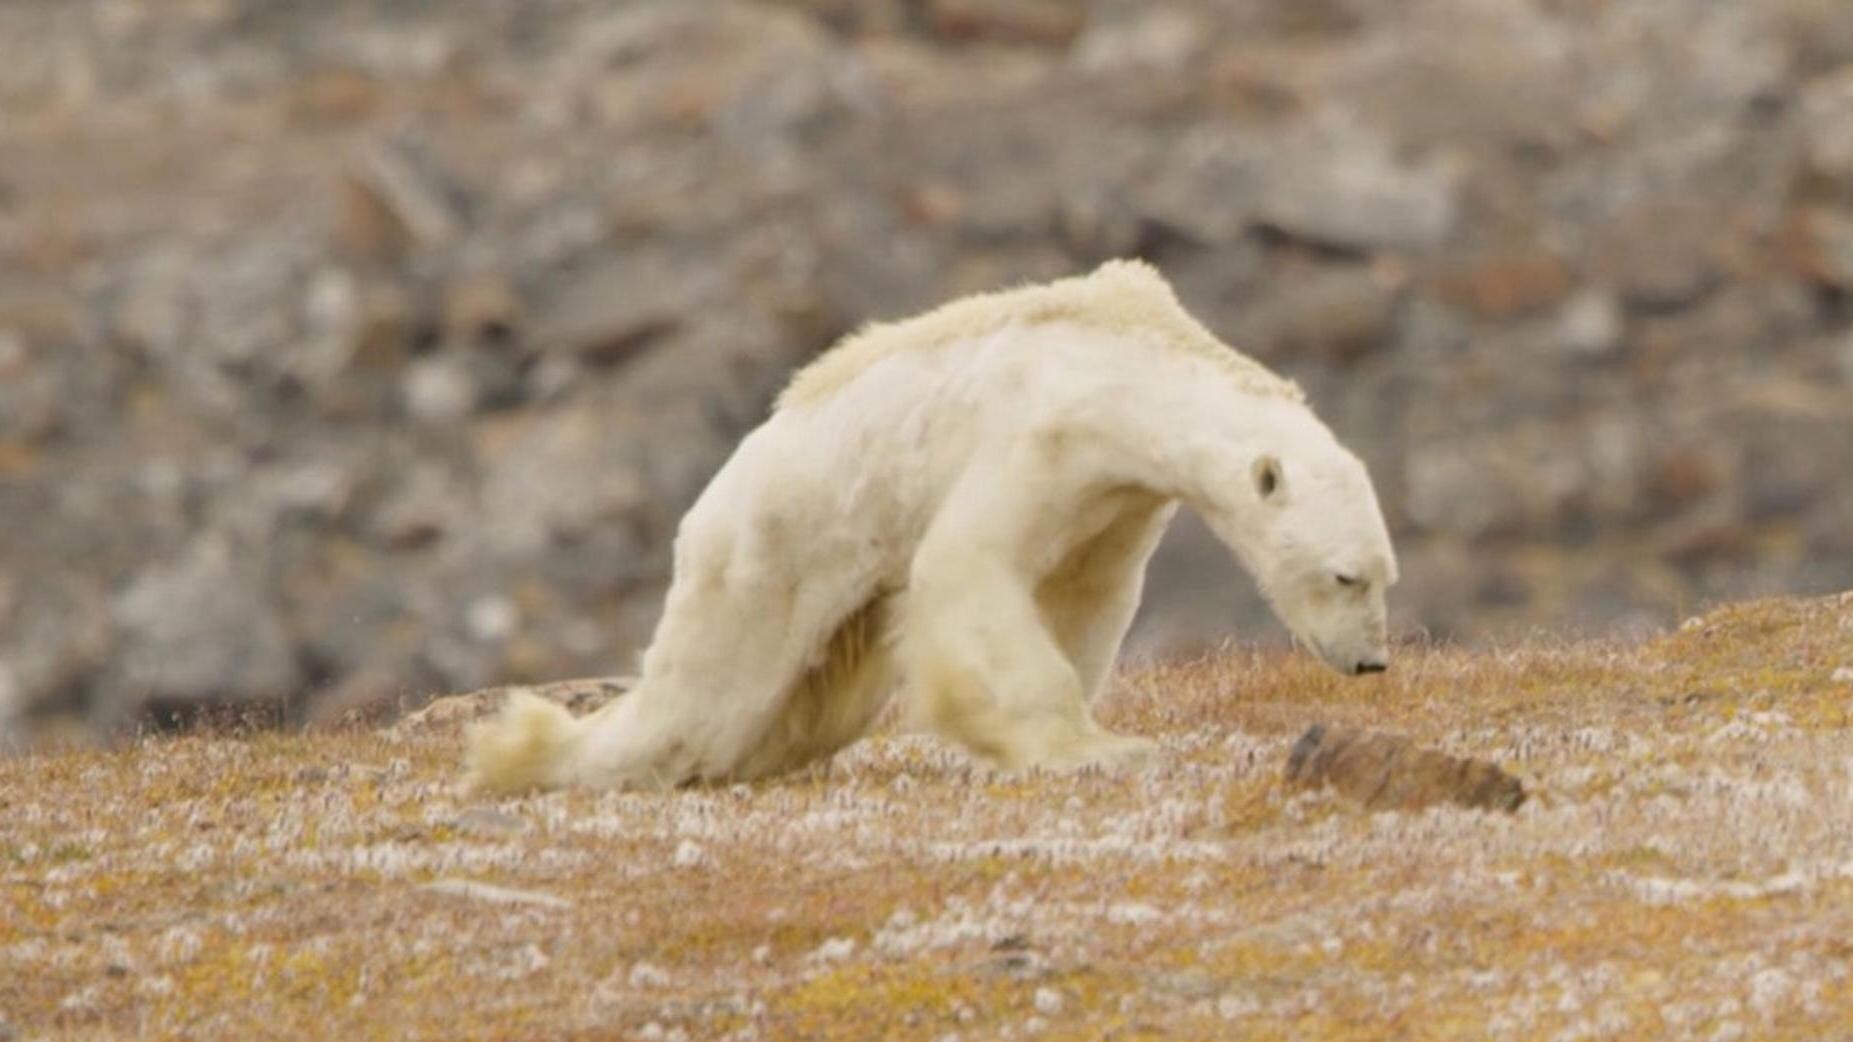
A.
pixel 528 746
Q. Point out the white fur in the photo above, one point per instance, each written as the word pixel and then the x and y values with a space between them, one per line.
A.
pixel 963 505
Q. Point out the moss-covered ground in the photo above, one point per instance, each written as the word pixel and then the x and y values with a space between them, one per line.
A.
pixel 1683 870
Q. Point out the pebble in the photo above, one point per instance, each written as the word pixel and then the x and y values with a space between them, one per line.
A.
pixel 1387 772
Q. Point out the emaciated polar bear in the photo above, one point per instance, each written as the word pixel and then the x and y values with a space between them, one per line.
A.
pixel 961 506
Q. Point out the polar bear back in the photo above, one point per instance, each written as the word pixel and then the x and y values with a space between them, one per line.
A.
pixel 1127 298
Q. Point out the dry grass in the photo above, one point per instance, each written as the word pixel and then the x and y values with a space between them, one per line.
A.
pixel 1683 870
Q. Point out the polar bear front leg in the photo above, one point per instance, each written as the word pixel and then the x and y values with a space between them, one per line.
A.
pixel 981 663
pixel 1090 598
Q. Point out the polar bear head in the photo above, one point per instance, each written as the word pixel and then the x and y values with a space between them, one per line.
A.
pixel 1311 533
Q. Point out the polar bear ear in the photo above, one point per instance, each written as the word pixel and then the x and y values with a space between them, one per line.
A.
pixel 1269 482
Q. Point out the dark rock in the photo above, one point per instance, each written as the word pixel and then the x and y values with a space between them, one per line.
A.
pixel 1047 22
pixel 1336 312
pixel 1506 284
pixel 1818 244
pixel 1386 772
pixel 481 307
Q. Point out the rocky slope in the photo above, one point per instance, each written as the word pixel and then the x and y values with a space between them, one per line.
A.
pixel 353 351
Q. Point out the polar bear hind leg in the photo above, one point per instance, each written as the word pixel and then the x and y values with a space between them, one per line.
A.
pixel 835 701
pixel 748 620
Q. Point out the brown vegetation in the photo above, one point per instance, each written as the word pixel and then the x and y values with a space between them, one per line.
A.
pixel 1682 868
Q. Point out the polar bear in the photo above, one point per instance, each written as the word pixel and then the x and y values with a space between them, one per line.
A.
pixel 961 506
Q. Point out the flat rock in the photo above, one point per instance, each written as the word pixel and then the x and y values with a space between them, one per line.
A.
pixel 1386 772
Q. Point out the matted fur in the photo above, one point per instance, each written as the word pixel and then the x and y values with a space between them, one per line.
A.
pixel 1124 297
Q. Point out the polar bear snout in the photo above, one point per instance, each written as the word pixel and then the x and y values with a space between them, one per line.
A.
pixel 1375 665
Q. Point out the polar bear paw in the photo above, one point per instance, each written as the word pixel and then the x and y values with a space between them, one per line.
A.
pixel 1101 750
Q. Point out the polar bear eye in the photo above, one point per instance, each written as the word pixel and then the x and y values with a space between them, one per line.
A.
pixel 1348 581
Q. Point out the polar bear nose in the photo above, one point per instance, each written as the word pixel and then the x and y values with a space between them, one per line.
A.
pixel 1372 666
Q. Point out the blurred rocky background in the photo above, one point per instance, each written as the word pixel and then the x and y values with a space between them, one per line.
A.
pixel 352 352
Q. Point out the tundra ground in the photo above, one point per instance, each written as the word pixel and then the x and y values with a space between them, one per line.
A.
pixel 1682 869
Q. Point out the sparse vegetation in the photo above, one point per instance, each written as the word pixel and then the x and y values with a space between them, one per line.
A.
pixel 1684 869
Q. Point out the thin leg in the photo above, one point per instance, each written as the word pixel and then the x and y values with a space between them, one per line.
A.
pixel 981 661
pixel 1090 599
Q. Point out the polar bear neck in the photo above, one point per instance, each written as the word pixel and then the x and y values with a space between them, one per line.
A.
pixel 1127 298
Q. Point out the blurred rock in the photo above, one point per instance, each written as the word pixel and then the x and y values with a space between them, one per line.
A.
pixel 1046 22
pixel 1158 38
pixel 395 198
pixel 1506 284
pixel 1339 186
pixel 1338 312
pixel 1827 125
pixel 1661 256
pixel 1590 324
pixel 1819 242
pixel 202 628
pixel 481 307
pixel 440 389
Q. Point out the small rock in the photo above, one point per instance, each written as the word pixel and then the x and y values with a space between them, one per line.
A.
pixel 487 821
pixel 1843 675
pixel 494 894
pixel 1661 256
pixel 1045 22
pixel 1334 312
pixel 394 198
pixel 1827 125
pixel 1385 772
pixel 483 306
pixel 439 390
pixel 836 949
pixel 336 96
pixel 1165 38
pixel 491 619
pixel 689 854
pixel 427 504
pixel 1460 490
pixel 1048 1002
pixel 644 975
pixel 1505 285
pixel 1343 189
pixel 1590 324
pixel 612 312
pixel 1188 984
pixel 1819 245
